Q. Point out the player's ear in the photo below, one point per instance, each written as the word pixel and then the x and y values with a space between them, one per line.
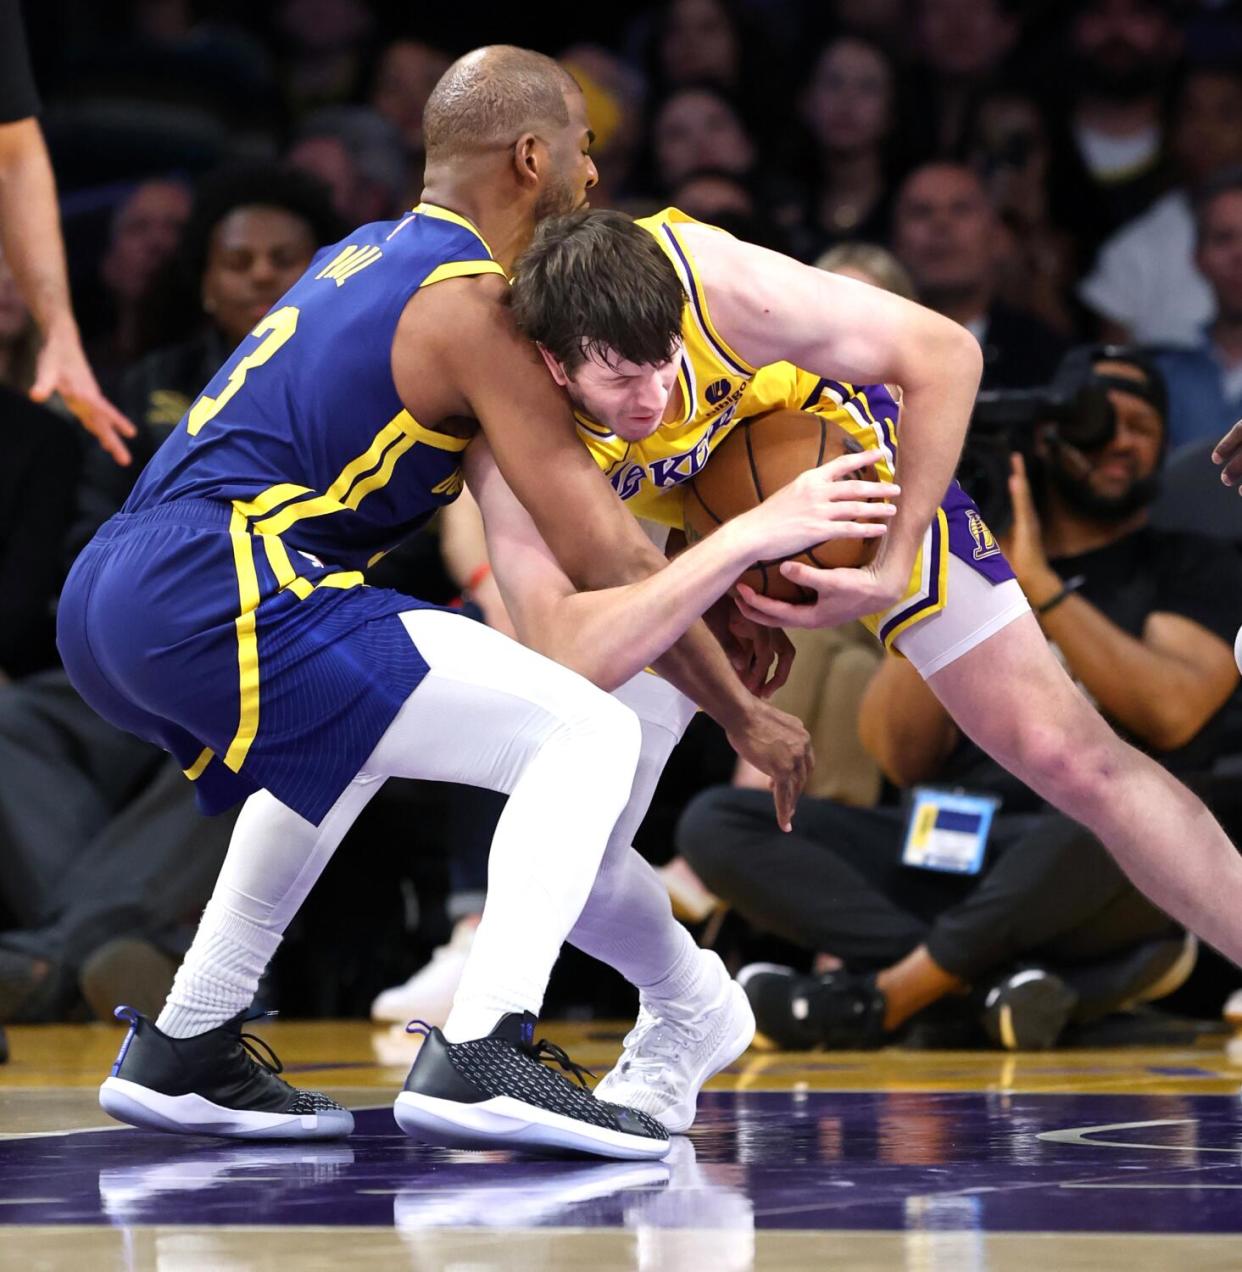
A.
pixel 529 157
pixel 554 365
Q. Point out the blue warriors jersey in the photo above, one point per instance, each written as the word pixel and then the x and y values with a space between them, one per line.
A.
pixel 262 660
pixel 301 431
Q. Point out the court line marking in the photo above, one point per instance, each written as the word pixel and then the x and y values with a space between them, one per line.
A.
pixel 1079 1134
pixel 1158 1187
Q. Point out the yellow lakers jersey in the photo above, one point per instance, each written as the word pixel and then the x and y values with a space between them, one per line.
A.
pixel 716 387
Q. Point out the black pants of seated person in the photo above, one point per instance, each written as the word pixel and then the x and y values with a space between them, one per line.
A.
pixel 1048 891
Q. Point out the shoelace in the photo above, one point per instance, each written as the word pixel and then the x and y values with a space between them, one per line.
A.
pixel 539 1051
pixel 258 1049
pixel 654 1041
pixel 261 1052
pixel 544 1050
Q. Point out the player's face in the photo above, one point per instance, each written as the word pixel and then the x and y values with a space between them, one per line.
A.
pixel 629 398
pixel 572 172
pixel 256 255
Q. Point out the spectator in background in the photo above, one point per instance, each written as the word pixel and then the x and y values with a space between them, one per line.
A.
pixel 1143 629
pixel 1012 151
pixel 884 21
pixel 1145 285
pixel 850 110
pixel 729 201
pixel 946 233
pixel 698 42
pixel 360 156
pixel 1205 382
pixel 145 229
pixel 723 45
pixel 696 128
pixel 961 47
pixel 406 74
pixel 250 234
pixel 868 263
pixel 616 99
pixel 323 51
pixel 1122 57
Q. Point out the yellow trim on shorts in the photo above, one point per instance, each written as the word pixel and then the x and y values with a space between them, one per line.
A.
pixel 195 771
pixel 462 269
pixel 930 607
pixel 269 514
pixel 247 641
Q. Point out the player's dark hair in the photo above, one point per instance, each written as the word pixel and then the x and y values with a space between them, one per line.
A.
pixel 594 283
pixel 490 97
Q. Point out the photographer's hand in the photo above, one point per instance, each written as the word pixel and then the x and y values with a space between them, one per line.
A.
pixel 1023 545
pixel 1228 451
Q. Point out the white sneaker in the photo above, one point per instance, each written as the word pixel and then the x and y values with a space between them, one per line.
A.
pixel 428 994
pixel 674 1048
pixel 1232 1010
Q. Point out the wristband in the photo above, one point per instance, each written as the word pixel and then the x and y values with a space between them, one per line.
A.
pixel 1070 587
pixel 477 575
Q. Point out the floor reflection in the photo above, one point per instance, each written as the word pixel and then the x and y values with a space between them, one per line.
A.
pixel 937 1167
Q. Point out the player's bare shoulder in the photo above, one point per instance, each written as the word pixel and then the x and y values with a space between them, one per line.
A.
pixel 449 337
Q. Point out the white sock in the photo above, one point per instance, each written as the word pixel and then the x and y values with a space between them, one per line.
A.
pixel 220 974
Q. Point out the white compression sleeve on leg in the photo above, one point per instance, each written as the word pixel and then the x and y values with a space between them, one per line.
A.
pixel 274 858
pixel 489 713
pixel 492 713
pixel 627 921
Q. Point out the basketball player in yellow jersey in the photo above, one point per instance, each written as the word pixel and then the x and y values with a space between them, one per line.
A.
pixel 610 303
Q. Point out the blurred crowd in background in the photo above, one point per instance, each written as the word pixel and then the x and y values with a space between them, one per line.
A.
pixel 1047 174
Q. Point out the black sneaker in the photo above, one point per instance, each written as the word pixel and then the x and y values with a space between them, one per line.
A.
pixel 1143 973
pixel 217 1083
pixel 495 1092
pixel 839 1010
pixel 1027 1010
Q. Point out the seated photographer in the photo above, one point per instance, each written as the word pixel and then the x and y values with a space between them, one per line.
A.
pixel 1046 929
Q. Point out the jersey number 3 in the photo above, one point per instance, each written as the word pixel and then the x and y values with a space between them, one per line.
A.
pixel 276 328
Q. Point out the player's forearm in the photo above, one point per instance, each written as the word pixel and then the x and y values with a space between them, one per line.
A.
pixel 937 401
pixel 610 635
pixel 1146 692
pixel 30 227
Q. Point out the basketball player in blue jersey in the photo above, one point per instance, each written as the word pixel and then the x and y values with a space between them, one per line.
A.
pixel 222 614
pixel 980 647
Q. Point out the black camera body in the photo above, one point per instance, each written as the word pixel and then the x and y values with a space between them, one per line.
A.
pixel 1074 410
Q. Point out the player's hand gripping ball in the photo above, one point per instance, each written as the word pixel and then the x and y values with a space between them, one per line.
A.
pixel 757 458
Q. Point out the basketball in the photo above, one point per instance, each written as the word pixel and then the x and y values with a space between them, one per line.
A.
pixel 757 458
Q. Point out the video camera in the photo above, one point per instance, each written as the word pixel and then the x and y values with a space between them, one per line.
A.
pixel 1073 410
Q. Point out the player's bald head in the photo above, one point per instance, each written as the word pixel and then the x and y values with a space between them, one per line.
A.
pixel 490 97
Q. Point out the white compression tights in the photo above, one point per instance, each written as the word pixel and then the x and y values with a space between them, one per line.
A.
pixel 627 921
pixel 489 713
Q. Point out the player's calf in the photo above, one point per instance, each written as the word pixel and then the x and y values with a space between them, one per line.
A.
pixel 216 1083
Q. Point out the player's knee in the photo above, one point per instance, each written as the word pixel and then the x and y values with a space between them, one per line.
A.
pixel 1070 767
pixel 608 728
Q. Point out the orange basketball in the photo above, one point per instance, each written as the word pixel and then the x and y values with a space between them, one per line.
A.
pixel 754 461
